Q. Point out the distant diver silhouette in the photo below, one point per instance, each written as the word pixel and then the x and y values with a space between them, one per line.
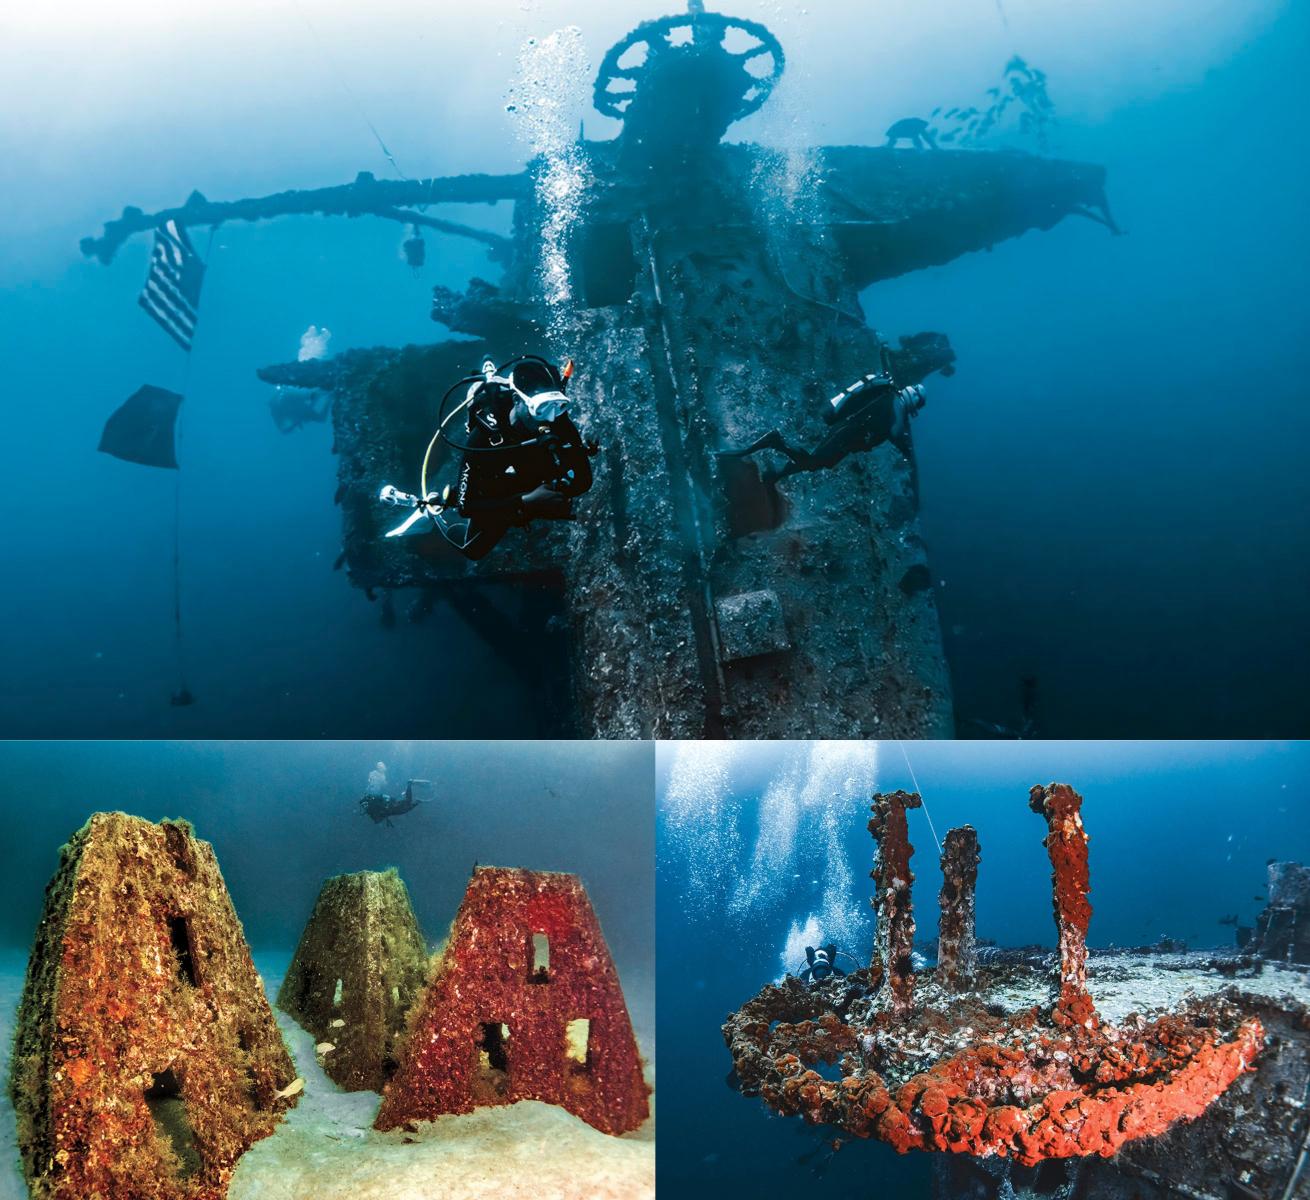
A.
pixel 915 130
pixel 869 412
pixel 380 808
pixel 1027 727
pixel 821 964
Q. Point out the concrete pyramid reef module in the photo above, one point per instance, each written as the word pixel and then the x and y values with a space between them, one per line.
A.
pixel 360 963
pixel 147 1060
pixel 524 1003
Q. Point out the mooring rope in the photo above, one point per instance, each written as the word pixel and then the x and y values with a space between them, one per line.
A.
pixel 923 802
pixel 350 92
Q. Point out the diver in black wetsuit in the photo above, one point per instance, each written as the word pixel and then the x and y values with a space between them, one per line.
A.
pixel 871 411
pixel 294 408
pixel 821 964
pixel 380 807
pixel 522 458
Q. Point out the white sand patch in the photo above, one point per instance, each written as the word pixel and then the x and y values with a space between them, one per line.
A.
pixel 13 968
pixel 327 1147
pixel 1124 983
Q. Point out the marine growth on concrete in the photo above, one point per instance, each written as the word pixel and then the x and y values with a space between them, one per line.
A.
pixel 147 1059
pixel 523 1003
pixel 360 964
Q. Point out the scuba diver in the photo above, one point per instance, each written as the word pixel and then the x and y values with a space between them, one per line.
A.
pixel 1027 727
pixel 293 408
pixel 914 130
pixel 522 459
pixel 379 807
pixel 871 411
pixel 821 964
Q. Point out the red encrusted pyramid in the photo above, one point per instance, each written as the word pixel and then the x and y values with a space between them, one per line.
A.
pixel 523 1003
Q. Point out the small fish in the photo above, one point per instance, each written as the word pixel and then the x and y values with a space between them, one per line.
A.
pixel 324 1048
pixel 338 1024
pixel 294 1088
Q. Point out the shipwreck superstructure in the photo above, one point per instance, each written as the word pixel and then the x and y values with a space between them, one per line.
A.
pixel 1148 1072
pixel 713 294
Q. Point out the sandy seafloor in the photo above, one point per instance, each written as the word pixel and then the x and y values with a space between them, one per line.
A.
pixel 1150 983
pixel 326 1147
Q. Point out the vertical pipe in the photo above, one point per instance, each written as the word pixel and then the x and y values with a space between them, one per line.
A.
pixel 957 959
pixel 894 944
pixel 1066 842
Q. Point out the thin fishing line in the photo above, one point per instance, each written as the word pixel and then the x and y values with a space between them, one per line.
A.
pixel 922 801
pixel 179 648
pixel 345 87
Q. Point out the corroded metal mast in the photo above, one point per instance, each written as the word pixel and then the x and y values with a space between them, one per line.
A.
pixel 957 951
pixel 893 896
pixel 1066 843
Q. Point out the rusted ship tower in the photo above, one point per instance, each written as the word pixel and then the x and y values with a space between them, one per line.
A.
pixel 711 301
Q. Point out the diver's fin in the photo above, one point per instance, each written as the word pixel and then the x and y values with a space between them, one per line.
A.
pixel 427 507
pixel 422 785
pixel 407 524
pixel 809 955
pixel 772 440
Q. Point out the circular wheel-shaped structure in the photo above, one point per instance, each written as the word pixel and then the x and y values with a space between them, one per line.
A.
pixel 740 42
pixel 962 1080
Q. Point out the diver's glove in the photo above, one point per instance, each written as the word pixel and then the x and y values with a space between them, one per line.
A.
pixel 546 504
pixel 428 507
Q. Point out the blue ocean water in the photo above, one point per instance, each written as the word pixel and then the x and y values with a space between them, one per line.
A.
pixel 1114 492
pixel 763 849
pixel 284 816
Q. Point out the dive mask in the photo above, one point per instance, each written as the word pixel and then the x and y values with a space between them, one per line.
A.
pixel 539 388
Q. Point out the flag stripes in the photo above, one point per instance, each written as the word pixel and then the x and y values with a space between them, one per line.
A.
pixel 171 295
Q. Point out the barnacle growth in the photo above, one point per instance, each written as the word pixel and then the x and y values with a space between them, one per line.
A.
pixel 523 1003
pixel 147 1060
pixel 360 964
pixel 957 959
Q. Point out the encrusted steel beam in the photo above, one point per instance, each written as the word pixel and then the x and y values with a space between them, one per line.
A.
pixel 1066 842
pixel 957 958
pixel 366 195
pixel 894 942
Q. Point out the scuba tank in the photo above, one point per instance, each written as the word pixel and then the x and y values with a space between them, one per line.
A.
pixel 866 386
pixel 538 384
